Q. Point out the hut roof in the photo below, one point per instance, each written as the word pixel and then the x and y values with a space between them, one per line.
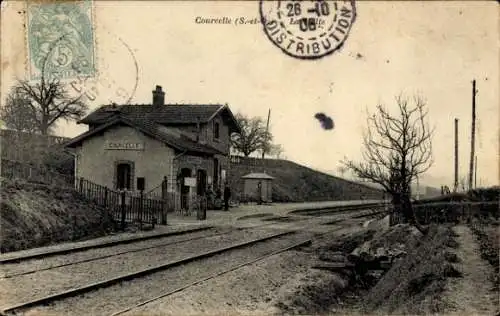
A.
pixel 261 176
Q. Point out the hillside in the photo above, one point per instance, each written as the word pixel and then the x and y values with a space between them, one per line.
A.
pixel 33 215
pixel 297 183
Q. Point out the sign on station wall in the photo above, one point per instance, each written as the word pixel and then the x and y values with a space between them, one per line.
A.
pixel 111 145
pixel 192 160
pixel 190 182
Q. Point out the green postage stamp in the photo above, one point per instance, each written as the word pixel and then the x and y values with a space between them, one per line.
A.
pixel 60 39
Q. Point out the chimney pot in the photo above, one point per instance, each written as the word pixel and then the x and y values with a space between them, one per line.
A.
pixel 158 96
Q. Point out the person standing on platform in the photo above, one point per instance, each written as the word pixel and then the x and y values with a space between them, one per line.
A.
pixel 259 192
pixel 227 195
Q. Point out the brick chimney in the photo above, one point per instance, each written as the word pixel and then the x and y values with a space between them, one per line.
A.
pixel 158 96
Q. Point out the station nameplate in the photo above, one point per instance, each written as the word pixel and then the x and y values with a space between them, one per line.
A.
pixel 124 146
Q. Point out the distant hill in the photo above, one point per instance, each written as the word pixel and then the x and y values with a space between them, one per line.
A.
pixel 297 183
pixel 426 190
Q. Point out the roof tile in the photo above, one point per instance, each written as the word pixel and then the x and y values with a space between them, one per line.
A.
pixel 164 114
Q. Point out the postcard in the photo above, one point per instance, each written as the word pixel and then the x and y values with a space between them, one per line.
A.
pixel 182 157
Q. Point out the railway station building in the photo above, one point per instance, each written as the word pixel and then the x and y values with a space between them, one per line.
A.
pixel 127 145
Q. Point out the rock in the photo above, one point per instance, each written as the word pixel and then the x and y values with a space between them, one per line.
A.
pixel 376 274
pixel 367 223
pixel 332 257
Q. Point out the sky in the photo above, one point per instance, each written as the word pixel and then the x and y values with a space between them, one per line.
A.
pixel 433 49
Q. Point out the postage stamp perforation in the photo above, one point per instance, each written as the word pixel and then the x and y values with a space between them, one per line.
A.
pixel 60 35
pixel 27 69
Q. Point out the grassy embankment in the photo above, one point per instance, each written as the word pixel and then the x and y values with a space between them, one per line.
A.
pixel 413 285
pixel 297 183
pixel 33 215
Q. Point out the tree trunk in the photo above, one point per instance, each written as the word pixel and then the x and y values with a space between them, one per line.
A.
pixel 397 209
pixel 411 216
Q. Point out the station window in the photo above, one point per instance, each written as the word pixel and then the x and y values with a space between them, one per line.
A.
pixel 216 130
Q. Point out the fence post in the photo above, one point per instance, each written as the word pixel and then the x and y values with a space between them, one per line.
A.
pixel 81 186
pixel 105 197
pixel 105 207
pixel 140 210
pixel 164 193
pixel 154 212
pixel 122 197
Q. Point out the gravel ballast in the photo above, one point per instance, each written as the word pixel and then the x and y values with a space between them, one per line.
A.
pixel 53 261
pixel 36 285
pixel 108 300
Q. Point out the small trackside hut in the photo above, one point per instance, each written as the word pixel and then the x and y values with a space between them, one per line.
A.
pixel 258 187
pixel 179 148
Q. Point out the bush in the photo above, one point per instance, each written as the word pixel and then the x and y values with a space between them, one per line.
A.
pixel 59 161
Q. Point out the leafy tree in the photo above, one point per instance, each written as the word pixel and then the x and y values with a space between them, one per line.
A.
pixel 43 103
pixel 396 149
pixel 253 136
pixel 277 151
pixel 17 114
pixel 47 101
pixel 342 170
pixel 272 150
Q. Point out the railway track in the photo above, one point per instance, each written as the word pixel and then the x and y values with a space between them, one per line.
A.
pixel 322 211
pixel 23 266
pixel 293 240
pixel 91 253
pixel 140 273
pixel 138 247
pixel 32 256
pixel 224 259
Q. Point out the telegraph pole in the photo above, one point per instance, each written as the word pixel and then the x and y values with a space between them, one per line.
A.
pixel 473 133
pixel 267 130
pixel 455 185
pixel 475 174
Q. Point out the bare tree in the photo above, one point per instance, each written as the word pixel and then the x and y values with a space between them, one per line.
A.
pixel 397 149
pixel 253 136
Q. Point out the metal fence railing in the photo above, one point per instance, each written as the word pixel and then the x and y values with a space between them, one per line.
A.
pixel 124 206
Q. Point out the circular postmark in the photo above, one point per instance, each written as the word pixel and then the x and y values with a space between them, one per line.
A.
pixel 117 71
pixel 307 29
pixel 102 82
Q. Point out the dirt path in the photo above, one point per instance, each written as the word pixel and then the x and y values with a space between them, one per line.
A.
pixel 471 295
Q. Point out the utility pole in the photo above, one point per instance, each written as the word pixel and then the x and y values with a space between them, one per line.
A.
pixel 475 174
pixel 455 185
pixel 473 133
pixel 267 130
